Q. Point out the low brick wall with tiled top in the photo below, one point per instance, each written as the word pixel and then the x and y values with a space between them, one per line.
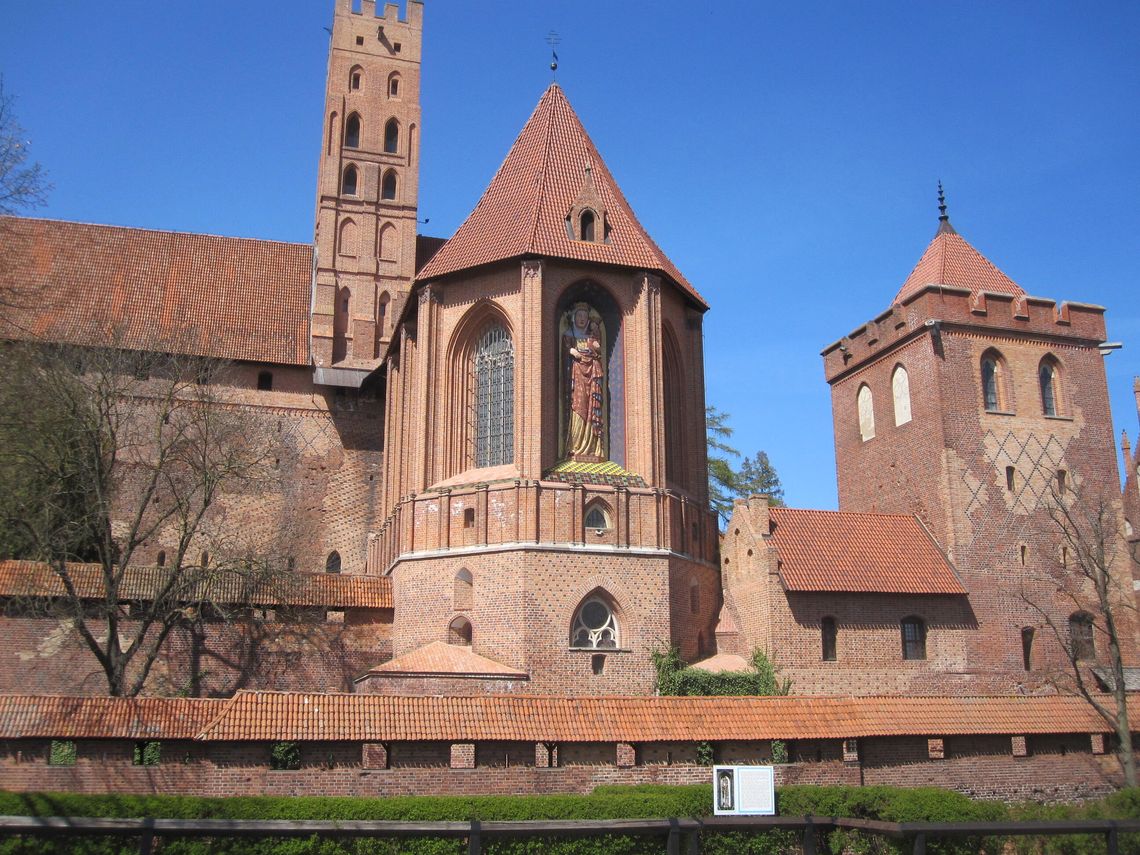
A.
pixel 1056 768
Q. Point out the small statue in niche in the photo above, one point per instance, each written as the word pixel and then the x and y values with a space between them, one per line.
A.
pixel 584 384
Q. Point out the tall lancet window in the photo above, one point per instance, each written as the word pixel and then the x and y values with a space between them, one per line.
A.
pixel 494 398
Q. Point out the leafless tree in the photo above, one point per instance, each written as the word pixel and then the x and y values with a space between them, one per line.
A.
pixel 23 185
pixel 1089 573
pixel 106 453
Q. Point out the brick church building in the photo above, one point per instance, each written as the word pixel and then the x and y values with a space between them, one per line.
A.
pixel 495 445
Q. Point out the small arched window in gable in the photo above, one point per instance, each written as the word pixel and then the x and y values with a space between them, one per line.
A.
pixel 586 226
pixel 391 136
pixel 866 408
pixel 1081 643
pixel 352 132
pixel 829 635
pixel 900 391
pixel 594 626
pixel 265 381
pixel 348 182
pixel 596 516
pixel 388 187
pixel 394 85
pixel 1049 379
pixel 332 563
pixel 355 77
pixel 459 631
pixel 913 638
pixel 464 590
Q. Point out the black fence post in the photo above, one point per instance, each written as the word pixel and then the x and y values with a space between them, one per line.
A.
pixel 1112 842
pixel 920 843
pixel 673 847
pixel 146 842
pixel 695 839
pixel 809 836
pixel 474 841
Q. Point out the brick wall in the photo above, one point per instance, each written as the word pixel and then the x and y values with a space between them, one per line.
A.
pixel 978 766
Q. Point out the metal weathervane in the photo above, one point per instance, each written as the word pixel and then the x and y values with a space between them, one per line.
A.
pixel 554 40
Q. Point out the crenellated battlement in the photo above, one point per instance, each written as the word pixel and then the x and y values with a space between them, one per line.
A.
pixel 390 12
pixel 942 305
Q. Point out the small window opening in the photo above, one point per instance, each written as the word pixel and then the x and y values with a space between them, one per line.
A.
pixel 354 79
pixel 990 396
pixel 1064 556
pixel 147 754
pixel 1081 636
pixel 1027 633
pixel 1062 481
pixel 332 563
pixel 265 381
pixel 596 518
pixel 1048 376
pixel 360 40
pixel 598 663
pixel 1009 478
pixel 394 87
pixel 395 47
pixel 1023 551
pixel 586 226
pixel 205 560
pixel 290 563
pixel 829 634
pixel 161 560
pixel 913 638
pixel 62 752
pixel 391 136
pixel 388 188
pixel 469 518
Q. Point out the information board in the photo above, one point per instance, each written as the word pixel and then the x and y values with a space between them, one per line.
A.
pixel 744 790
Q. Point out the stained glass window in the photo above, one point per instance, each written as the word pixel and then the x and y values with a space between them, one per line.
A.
pixel 494 398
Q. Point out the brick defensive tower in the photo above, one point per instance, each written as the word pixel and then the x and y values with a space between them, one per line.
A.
pixel 367 187
pixel 973 405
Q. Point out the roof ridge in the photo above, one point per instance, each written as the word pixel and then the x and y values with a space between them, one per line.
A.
pixel 151 230
pixel 536 208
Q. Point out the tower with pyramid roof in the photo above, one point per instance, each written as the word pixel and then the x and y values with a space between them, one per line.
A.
pixel 975 406
pixel 545 452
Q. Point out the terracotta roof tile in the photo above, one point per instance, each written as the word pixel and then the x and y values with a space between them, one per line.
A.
pixel 723 662
pixel 40 716
pixel 305 716
pixel 32 579
pixel 856 552
pixel 950 260
pixel 524 209
pixel 204 295
pixel 440 659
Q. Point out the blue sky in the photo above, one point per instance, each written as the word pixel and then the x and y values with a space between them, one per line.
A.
pixel 784 155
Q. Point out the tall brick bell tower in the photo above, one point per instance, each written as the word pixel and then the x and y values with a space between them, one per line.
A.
pixel 367 187
pixel 972 404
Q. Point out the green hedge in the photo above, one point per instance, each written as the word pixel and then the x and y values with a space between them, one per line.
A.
pixel 644 801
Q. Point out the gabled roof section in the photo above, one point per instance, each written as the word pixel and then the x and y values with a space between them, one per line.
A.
pixel 951 260
pixel 52 716
pixel 840 551
pixel 202 295
pixel 524 209
pixel 438 659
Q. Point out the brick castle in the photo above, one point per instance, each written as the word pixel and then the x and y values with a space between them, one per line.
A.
pixel 495 445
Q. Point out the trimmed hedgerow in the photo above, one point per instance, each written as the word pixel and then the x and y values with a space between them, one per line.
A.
pixel 610 802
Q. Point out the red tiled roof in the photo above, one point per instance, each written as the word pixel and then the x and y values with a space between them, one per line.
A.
pixel 950 260
pixel 32 579
pixel 312 716
pixel 440 659
pixel 524 209
pixel 855 552
pixel 203 295
pixel 46 716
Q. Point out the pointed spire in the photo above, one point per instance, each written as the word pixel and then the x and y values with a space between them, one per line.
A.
pixel 944 226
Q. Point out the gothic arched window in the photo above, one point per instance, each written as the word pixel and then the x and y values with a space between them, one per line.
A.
pixel 348 183
pixel 494 414
pixel 332 563
pixel 388 187
pixel 866 406
pixel 995 396
pixel 352 132
pixel 596 516
pixel 1048 375
pixel 829 635
pixel 391 136
pixel 587 225
pixel 594 625
pixel 459 631
pixel 900 391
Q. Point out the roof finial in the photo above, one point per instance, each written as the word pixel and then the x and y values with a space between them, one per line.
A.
pixel 942 215
pixel 553 39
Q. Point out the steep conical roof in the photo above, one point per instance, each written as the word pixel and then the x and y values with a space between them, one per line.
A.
pixel 951 260
pixel 524 209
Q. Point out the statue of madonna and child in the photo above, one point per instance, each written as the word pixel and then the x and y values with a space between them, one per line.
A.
pixel 583 384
